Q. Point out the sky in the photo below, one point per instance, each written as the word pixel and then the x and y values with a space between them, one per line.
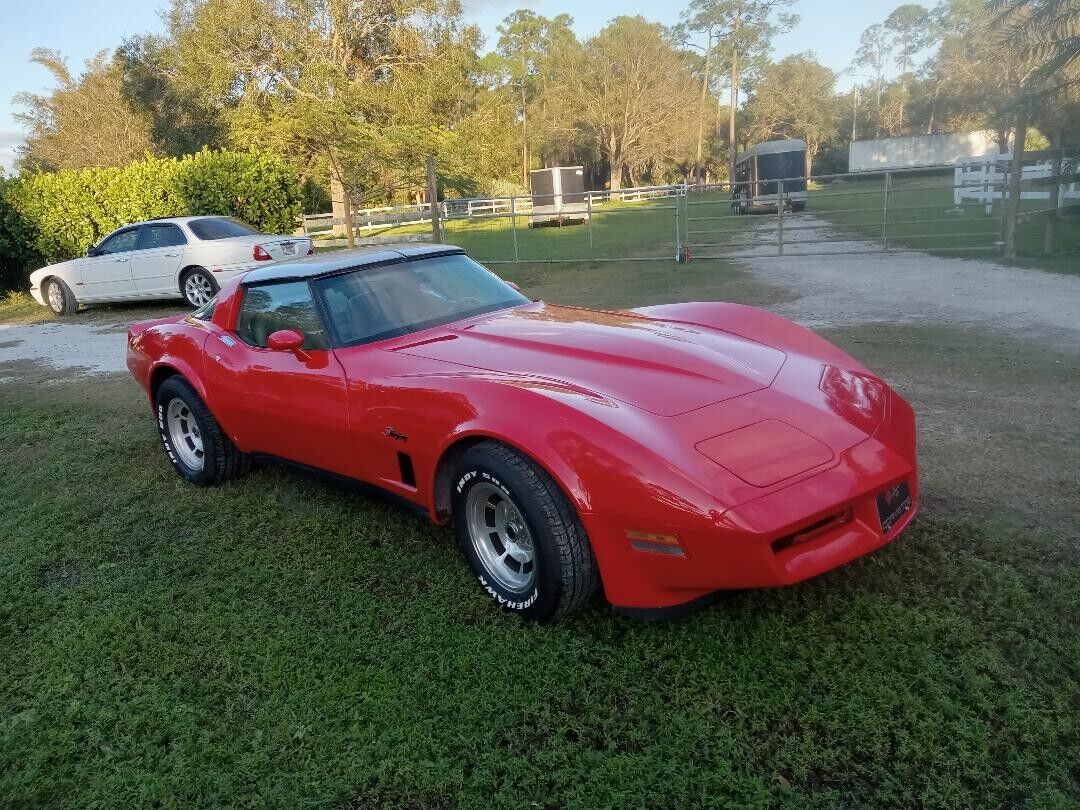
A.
pixel 81 28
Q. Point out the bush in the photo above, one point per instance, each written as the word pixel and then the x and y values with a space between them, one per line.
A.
pixel 17 256
pixel 65 211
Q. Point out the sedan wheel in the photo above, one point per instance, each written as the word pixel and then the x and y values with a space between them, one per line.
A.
pixel 199 287
pixel 59 298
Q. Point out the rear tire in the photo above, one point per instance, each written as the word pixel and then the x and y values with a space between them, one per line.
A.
pixel 520 535
pixel 198 286
pixel 59 298
pixel 196 445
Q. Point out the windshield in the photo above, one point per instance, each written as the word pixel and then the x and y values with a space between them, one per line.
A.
pixel 220 228
pixel 381 302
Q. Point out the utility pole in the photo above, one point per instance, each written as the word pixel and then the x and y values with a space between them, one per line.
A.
pixel 734 94
pixel 701 106
pixel 524 129
pixel 854 111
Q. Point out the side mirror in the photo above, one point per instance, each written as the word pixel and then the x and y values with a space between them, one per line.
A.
pixel 285 340
pixel 91 251
pixel 512 285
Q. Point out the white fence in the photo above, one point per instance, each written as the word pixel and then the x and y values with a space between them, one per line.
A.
pixel 987 180
pixel 369 219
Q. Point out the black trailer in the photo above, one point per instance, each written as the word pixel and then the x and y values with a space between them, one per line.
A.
pixel 558 195
pixel 759 172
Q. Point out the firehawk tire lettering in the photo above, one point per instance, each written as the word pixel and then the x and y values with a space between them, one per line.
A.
pixel 566 574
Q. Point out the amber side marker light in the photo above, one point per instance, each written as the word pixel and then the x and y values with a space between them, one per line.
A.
pixel 656 543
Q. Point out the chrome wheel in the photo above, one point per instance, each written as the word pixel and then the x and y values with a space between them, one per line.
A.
pixel 198 289
pixel 184 435
pixel 500 537
pixel 56 297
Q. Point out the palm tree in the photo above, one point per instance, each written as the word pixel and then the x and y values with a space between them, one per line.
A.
pixel 1047 31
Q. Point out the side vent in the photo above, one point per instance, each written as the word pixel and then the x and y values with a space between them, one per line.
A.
pixel 408 475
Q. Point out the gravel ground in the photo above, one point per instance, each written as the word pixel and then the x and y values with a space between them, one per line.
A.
pixel 77 348
pixel 850 290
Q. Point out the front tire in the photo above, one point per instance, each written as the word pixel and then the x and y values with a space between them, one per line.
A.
pixel 520 535
pixel 59 298
pixel 198 286
pixel 199 450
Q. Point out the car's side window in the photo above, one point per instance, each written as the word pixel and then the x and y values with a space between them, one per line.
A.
pixel 119 242
pixel 266 308
pixel 160 236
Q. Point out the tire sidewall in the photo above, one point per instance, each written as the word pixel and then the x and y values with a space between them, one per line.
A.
pixel 197 271
pixel 174 388
pixel 542 600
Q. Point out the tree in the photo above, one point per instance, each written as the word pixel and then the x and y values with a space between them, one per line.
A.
pixel 794 99
pixel 365 90
pixel 873 54
pixel 746 29
pixel 633 93
pixel 85 121
pixel 910 26
pixel 528 43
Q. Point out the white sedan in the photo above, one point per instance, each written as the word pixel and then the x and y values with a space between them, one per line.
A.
pixel 181 257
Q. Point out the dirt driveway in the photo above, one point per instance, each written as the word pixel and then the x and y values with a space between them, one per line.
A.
pixel 839 290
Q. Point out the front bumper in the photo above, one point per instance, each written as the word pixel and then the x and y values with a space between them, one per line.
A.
pixel 36 294
pixel 779 539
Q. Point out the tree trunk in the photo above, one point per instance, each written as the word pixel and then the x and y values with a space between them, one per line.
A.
pixel 809 163
pixel 734 77
pixel 341 207
pixel 615 177
pixel 1049 237
pixel 1012 204
pixel 701 107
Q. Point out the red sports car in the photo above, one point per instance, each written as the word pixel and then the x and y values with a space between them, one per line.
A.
pixel 666 453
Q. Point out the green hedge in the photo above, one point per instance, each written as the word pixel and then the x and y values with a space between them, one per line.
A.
pixel 63 212
pixel 17 238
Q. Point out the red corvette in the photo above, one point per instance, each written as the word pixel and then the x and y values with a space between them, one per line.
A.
pixel 666 453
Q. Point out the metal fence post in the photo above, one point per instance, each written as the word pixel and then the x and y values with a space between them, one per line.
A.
pixel 780 217
pixel 588 208
pixel 678 235
pixel 885 215
pixel 513 223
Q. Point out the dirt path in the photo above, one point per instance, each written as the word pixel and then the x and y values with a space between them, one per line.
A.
pixel 848 290
pixel 75 348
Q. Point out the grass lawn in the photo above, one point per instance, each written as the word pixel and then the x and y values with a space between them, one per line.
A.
pixel 920 215
pixel 278 642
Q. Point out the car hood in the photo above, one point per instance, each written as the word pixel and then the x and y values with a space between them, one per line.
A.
pixel 664 368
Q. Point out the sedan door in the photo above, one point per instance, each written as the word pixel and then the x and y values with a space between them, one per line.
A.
pixel 107 274
pixel 157 260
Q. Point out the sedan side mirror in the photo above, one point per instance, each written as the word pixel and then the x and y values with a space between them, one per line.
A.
pixel 285 340
pixel 91 251
pixel 512 285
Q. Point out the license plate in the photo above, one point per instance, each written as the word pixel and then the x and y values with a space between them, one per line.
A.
pixel 893 504
pixel 288 248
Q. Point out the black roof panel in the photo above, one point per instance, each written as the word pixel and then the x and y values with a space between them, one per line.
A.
pixel 322 264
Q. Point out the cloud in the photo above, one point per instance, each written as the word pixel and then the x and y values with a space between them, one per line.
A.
pixel 9 140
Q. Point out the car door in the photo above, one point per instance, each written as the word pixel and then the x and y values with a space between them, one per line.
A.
pixel 157 260
pixel 107 274
pixel 289 404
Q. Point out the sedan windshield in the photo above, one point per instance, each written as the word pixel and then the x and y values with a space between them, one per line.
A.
pixel 220 228
pixel 381 302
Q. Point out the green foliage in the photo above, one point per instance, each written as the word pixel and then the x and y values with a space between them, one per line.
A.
pixel 17 256
pixel 70 209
